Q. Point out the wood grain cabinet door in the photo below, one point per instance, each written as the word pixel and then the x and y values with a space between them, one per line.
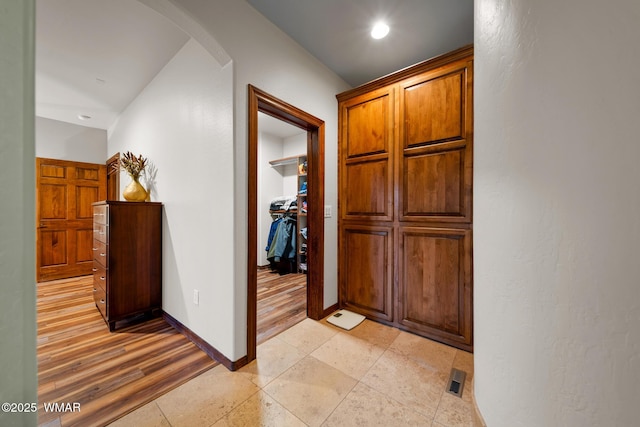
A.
pixel 435 289
pixel 366 157
pixel 435 147
pixel 366 270
pixel 64 234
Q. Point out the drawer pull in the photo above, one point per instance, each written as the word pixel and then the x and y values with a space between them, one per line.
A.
pixel 101 301
pixel 102 278
pixel 94 249
pixel 95 290
pixel 94 269
pixel 102 254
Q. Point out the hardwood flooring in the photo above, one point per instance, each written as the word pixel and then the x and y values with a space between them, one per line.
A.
pixel 108 373
pixel 112 373
pixel 282 302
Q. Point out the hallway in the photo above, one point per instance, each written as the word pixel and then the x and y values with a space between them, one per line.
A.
pixel 315 374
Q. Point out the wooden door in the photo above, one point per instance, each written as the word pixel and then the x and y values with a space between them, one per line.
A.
pixel 366 264
pixel 434 165
pixel 435 147
pixel 64 193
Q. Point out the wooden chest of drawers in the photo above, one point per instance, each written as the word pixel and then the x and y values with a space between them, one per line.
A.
pixel 127 259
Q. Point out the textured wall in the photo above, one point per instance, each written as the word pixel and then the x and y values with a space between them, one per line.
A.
pixel 557 212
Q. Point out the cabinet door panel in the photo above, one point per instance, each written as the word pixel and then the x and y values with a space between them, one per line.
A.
pixel 53 248
pixel 367 190
pixel 53 201
pixel 366 159
pixel 433 110
pixel 435 282
pixel 85 196
pixel 367 271
pixel 433 186
pixel 84 245
pixel 368 126
pixel 435 150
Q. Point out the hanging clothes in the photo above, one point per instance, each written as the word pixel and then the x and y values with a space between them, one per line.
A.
pixel 282 248
pixel 272 232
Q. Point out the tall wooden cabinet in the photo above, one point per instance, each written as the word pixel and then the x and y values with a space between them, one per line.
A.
pixel 405 199
pixel 127 260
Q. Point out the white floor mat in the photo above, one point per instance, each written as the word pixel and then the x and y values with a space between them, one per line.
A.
pixel 345 319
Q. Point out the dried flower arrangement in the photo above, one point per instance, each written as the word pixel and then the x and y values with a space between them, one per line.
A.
pixel 132 164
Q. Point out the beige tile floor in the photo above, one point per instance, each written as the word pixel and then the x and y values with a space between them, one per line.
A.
pixel 315 374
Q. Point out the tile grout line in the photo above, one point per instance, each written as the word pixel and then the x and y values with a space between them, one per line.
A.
pixel 162 412
pixel 445 388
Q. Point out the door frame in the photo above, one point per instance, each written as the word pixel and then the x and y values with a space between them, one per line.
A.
pixel 113 169
pixel 260 101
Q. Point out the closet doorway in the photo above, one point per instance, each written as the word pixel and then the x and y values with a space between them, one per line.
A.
pixel 303 167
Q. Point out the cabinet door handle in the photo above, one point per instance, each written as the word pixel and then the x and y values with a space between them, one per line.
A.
pixel 102 278
pixel 102 254
pixel 94 269
pixel 94 249
pixel 95 290
pixel 101 301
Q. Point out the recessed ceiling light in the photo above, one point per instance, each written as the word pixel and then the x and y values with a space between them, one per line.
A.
pixel 83 117
pixel 380 30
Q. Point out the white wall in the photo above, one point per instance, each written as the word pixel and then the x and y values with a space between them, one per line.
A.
pixel 18 368
pixel 67 141
pixel 265 57
pixel 183 123
pixel 295 145
pixel 292 146
pixel 557 212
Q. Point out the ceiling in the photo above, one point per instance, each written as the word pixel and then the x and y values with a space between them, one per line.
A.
pixel 337 32
pixel 93 57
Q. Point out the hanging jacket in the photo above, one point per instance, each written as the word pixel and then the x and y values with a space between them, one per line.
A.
pixel 272 232
pixel 283 245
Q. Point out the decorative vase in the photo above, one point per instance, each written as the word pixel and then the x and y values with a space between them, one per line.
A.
pixel 135 192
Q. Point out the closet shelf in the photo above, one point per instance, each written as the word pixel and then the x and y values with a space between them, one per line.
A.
pixel 293 160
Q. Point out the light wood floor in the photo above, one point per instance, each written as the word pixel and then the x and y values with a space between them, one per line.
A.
pixel 282 302
pixel 111 374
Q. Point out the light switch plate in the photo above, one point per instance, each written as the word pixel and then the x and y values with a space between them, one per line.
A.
pixel 327 211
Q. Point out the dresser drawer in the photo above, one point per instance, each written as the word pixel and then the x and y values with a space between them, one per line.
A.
pixel 101 214
pixel 100 277
pixel 100 298
pixel 101 232
pixel 100 253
